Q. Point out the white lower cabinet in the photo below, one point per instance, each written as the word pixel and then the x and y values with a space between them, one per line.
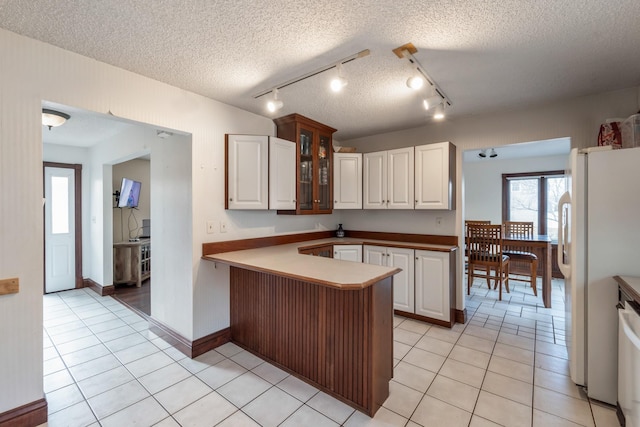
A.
pixel 432 284
pixel 348 252
pixel 423 287
pixel 403 282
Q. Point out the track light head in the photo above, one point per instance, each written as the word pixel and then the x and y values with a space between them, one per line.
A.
pixel 493 153
pixel 439 114
pixel 482 153
pixel 274 104
pixel 431 102
pixel 415 82
pixel 338 82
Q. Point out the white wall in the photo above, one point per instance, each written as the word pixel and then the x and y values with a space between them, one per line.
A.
pixel 483 182
pixel 196 303
pixel 578 119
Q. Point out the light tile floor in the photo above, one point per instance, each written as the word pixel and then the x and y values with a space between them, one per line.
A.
pixel 506 367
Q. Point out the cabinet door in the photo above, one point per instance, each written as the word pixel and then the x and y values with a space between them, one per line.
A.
pixel 400 179
pixel 432 284
pixel 375 180
pixel 324 189
pixel 307 171
pixel 403 282
pixel 435 176
pixel 348 252
pixel 347 181
pixel 376 255
pixel 247 171
pixel 282 174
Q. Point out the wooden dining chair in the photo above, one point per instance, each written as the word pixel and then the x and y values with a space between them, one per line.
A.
pixel 521 253
pixel 485 247
pixel 466 224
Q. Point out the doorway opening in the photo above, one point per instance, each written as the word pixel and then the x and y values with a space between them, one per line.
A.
pixel 63 226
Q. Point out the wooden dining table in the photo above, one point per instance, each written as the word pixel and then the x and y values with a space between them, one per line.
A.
pixel 541 246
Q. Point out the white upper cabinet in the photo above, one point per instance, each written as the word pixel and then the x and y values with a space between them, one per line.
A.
pixel 247 158
pixel 388 179
pixel 435 176
pixel 375 180
pixel 400 178
pixel 433 291
pixel 282 174
pixel 347 181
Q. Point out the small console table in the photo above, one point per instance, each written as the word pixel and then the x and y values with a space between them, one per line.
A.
pixel 132 262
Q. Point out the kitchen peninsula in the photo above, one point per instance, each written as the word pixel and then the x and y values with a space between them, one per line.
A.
pixel 328 321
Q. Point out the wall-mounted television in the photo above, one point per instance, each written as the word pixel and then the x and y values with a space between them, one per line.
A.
pixel 129 193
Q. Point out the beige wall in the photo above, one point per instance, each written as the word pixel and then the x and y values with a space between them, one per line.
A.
pixel 193 295
pixel 127 223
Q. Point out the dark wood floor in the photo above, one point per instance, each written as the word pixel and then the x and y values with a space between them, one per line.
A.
pixel 139 299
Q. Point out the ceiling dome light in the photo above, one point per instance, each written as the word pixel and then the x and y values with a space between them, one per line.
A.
pixel 431 102
pixel 439 114
pixel 415 82
pixel 274 104
pixel 338 82
pixel 52 118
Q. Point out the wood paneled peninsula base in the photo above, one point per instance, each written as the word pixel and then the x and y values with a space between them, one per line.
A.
pixel 336 334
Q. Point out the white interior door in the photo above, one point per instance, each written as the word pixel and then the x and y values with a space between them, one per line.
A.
pixel 59 214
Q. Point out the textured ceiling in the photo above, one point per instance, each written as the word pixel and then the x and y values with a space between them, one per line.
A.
pixel 487 55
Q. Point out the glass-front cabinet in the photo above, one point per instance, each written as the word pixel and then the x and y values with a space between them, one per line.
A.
pixel 315 162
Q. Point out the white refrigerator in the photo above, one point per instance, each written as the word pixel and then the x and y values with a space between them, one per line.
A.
pixel 599 238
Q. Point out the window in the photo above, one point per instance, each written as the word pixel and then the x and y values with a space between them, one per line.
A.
pixel 534 197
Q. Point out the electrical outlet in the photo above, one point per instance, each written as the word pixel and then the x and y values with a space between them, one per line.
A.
pixel 223 226
pixel 438 222
pixel 210 227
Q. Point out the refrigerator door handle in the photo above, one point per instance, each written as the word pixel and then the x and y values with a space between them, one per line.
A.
pixel 565 199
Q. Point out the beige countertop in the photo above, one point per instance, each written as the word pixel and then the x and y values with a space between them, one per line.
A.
pixel 284 260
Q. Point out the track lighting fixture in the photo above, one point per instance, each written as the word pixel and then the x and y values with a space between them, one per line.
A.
pixel 482 153
pixel 274 104
pixel 338 82
pixel 437 98
pixel 52 118
pixel 493 153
